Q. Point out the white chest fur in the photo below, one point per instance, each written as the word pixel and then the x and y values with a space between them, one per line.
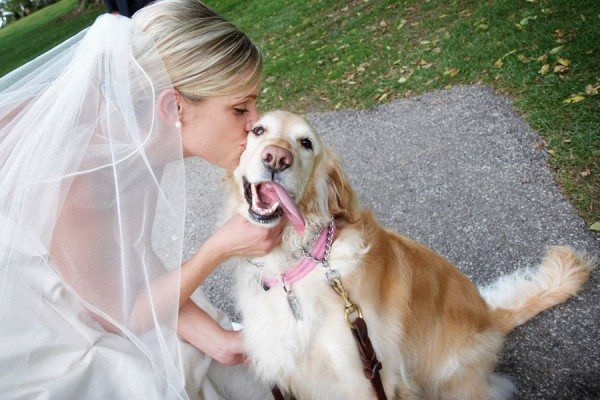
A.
pixel 315 356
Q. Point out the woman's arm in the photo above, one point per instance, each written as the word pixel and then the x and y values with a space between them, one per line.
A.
pixel 237 238
pixel 81 251
pixel 203 332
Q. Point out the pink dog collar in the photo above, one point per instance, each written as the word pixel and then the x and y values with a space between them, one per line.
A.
pixel 305 266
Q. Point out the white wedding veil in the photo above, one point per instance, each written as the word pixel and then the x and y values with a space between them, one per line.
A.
pixel 92 202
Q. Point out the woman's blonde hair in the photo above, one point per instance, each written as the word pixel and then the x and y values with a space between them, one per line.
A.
pixel 204 54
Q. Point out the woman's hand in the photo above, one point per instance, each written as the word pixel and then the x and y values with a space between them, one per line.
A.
pixel 230 350
pixel 200 330
pixel 237 238
pixel 241 238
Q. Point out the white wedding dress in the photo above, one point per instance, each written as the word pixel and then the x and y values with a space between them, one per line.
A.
pixel 92 201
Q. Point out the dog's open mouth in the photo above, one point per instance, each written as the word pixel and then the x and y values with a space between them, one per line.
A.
pixel 268 201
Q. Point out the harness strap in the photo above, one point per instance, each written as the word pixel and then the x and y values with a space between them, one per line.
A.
pixel 277 395
pixel 371 366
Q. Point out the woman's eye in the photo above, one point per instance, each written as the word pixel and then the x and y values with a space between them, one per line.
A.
pixel 306 143
pixel 259 130
pixel 241 111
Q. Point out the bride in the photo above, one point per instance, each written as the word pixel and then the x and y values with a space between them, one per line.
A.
pixel 95 302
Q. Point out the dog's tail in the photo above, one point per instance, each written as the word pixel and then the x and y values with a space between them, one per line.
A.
pixel 520 296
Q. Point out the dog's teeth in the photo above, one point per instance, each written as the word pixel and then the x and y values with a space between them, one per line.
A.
pixel 255 204
pixel 271 210
pixel 266 211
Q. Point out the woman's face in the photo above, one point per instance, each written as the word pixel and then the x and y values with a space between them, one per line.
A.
pixel 215 129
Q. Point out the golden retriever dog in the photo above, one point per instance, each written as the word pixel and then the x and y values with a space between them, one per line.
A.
pixel 436 335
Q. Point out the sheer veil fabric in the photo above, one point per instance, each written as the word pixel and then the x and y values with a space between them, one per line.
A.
pixel 92 203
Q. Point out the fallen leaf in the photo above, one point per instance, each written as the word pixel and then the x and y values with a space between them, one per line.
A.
pixel 560 68
pixel 524 59
pixel 451 71
pixel 575 98
pixel 591 90
pixel 585 173
pixel 500 61
pixel 564 61
pixel 402 80
pixel 551 152
pixel 556 50
pixel 545 69
pixel 526 20
pixel 595 226
pixel 542 58
pixel 423 63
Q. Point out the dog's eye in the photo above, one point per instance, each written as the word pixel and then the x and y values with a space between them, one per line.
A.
pixel 306 143
pixel 259 130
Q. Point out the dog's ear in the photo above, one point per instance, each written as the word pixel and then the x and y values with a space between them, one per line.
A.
pixel 341 200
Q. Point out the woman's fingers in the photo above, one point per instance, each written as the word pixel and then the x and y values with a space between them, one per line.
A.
pixel 241 238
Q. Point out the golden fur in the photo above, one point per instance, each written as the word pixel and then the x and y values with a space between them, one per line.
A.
pixel 431 328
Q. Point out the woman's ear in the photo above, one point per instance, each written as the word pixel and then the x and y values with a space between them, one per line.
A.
pixel 168 106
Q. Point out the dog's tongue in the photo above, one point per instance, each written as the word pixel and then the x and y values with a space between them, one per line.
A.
pixel 275 192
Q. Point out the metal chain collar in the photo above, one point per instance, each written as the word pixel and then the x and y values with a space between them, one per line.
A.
pixel 305 253
pixel 324 261
pixel 334 278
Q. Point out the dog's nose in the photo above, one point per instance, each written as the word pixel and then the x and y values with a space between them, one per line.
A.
pixel 276 158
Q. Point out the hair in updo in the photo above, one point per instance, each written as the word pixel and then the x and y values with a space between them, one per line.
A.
pixel 204 54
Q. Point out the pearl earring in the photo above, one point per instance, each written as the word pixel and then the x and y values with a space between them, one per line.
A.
pixel 178 125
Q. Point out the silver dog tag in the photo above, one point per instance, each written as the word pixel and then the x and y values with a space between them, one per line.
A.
pixel 294 305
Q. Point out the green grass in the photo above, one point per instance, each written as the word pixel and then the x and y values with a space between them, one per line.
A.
pixel 325 55
pixel 29 37
pixel 331 54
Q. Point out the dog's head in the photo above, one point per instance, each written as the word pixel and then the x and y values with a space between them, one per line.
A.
pixel 286 170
